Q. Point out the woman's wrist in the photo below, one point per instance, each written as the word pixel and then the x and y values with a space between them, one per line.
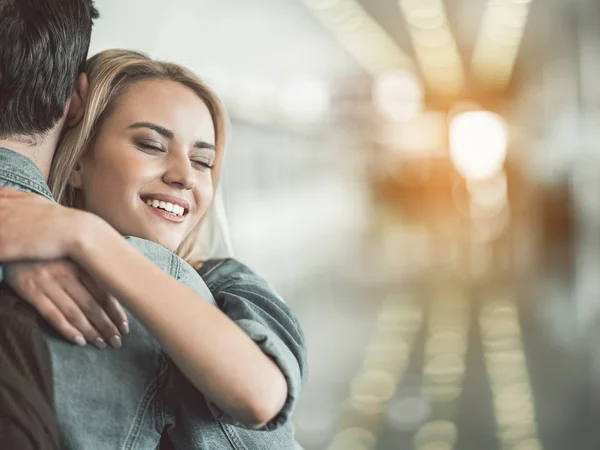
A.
pixel 87 228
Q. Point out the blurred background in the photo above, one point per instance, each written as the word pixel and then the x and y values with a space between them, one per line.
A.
pixel 420 180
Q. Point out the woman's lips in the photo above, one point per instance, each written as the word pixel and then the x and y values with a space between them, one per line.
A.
pixel 166 214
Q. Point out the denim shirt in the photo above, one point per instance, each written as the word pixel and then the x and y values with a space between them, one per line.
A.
pixel 127 398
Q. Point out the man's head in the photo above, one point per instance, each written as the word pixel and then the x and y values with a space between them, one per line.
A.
pixel 44 48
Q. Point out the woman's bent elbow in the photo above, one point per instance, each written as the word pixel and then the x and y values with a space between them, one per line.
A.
pixel 261 417
pixel 264 410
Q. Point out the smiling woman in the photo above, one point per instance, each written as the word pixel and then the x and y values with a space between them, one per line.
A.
pixel 167 156
pixel 131 148
pixel 215 357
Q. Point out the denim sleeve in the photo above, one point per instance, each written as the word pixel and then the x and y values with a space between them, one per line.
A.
pixel 257 309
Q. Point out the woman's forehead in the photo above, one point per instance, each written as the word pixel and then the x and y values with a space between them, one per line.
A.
pixel 168 104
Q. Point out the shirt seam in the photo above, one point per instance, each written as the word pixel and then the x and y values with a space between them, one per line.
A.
pixel 216 266
pixel 27 182
pixel 175 268
pixel 214 285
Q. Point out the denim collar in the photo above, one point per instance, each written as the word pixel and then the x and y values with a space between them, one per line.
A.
pixel 21 170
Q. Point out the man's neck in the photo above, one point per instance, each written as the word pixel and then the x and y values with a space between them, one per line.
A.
pixel 41 154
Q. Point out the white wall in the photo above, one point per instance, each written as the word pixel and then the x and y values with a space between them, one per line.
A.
pixel 292 195
pixel 268 38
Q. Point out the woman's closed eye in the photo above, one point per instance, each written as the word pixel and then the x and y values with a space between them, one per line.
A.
pixel 202 164
pixel 151 146
pixel 199 162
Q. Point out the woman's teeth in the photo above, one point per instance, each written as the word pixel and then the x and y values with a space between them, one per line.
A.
pixel 170 207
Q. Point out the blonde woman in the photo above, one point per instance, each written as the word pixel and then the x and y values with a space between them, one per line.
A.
pixel 211 362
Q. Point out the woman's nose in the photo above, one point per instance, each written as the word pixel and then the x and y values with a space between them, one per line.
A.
pixel 179 173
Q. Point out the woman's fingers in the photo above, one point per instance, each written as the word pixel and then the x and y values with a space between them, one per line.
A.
pixel 73 313
pixel 115 311
pixel 54 316
pixel 110 305
pixel 57 290
pixel 31 281
pixel 93 310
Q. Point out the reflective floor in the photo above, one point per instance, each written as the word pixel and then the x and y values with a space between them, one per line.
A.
pixel 432 361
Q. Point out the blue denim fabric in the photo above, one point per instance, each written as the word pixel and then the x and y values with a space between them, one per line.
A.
pixel 19 172
pixel 126 398
pixel 114 398
pixel 256 308
pixel 253 305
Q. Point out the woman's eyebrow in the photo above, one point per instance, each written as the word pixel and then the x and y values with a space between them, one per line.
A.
pixel 202 144
pixel 160 130
pixel 169 134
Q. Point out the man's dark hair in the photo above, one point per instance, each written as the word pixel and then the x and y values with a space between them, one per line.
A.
pixel 43 48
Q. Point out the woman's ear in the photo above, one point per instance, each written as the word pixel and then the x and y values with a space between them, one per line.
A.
pixel 76 178
pixel 78 101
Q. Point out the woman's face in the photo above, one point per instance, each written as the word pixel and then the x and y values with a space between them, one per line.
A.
pixel 149 172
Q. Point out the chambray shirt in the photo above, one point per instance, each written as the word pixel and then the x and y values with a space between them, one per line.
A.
pixel 127 398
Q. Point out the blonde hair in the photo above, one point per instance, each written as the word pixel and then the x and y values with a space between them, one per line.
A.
pixel 110 73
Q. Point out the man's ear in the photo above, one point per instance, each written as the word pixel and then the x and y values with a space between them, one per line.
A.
pixel 76 177
pixel 78 101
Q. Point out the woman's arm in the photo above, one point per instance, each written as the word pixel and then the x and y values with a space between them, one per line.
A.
pixel 256 308
pixel 213 352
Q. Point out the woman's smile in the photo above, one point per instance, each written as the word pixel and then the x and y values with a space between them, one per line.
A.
pixel 173 209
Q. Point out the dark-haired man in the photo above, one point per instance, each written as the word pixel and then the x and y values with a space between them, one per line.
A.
pixel 43 51
pixel 42 91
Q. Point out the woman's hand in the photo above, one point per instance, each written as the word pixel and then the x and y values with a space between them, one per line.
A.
pixel 70 301
pixel 35 228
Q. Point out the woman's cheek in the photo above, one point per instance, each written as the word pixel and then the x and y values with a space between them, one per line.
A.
pixel 205 192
